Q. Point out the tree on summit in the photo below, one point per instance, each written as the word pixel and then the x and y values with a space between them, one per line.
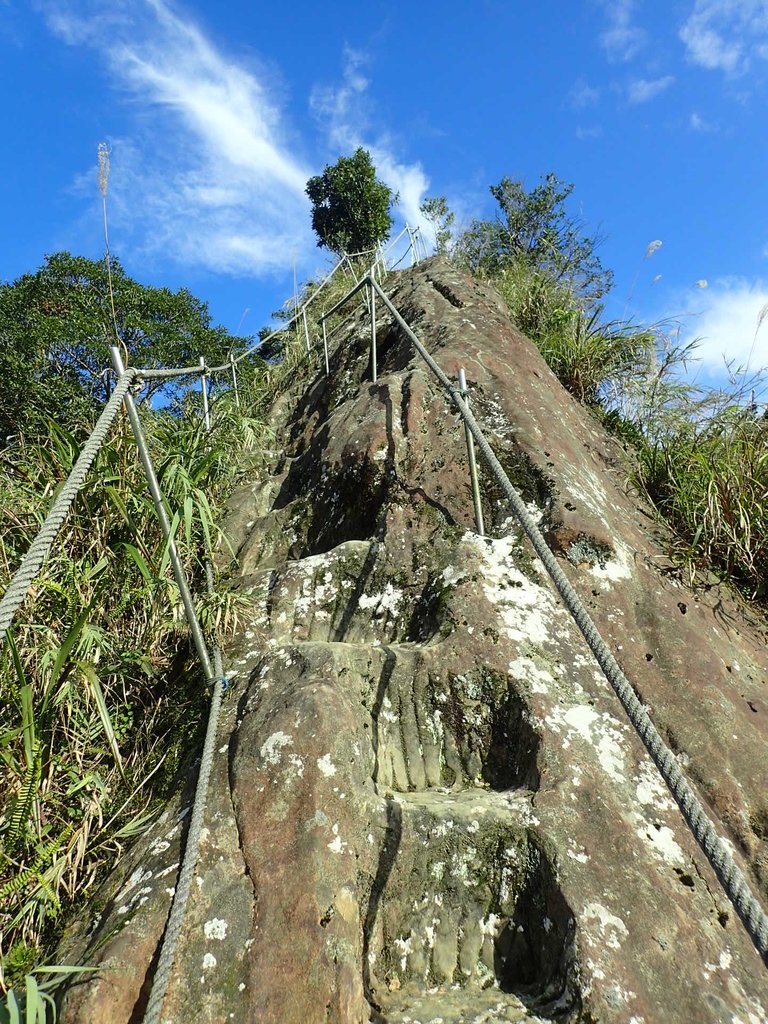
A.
pixel 56 326
pixel 350 206
pixel 534 228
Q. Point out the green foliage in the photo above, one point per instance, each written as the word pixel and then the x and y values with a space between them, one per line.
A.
pixel 538 304
pixel 700 456
pixel 596 360
pixel 56 328
pixel 350 206
pixel 535 228
pixel 100 700
pixel 33 1003
pixel 436 211
pixel 98 688
pixel 703 462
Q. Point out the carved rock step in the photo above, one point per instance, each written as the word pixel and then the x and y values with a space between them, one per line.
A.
pixel 458 1006
pixel 465 901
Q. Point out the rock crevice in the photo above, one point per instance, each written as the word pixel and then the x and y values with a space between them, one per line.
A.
pixel 428 804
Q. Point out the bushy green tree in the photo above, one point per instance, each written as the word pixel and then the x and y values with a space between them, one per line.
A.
pixel 536 229
pixel 436 210
pixel 350 206
pixel 56 326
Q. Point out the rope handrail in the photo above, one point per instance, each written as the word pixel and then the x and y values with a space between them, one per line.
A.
pixel 40 548
pixel 163 373
pixel 735 885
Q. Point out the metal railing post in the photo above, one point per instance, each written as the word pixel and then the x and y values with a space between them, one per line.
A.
pixel 204 389
pixel 306 329
pixel 325 351
pixel 233 364
pixel 165 525
pixel 472 462
pixel 373 335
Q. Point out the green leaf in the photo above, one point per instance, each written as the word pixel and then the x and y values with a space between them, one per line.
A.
pixel 106 722
pixel 141 563
pixel 66 647
pixel 167 546
pixel 12 1008
pixel 35 1007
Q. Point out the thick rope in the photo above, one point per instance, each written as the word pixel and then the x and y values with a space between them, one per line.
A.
pixel 732 879
pixel 40 547
pixel 189 863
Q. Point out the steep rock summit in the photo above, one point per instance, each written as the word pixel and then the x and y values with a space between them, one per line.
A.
pixel 428 805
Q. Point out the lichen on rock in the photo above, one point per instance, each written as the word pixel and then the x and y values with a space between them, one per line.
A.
pixel 427 803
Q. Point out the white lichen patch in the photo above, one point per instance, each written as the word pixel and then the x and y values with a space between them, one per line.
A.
pixel 662 841
pixel 139 875
pixel 490 926
pixel 270 749
pixel 337 844
pixel 387 714
pixel 617 568
pixel 612 929
pixel 326 765
pixel 537 678
pixel 585 488
pixel 405 947
pixel 651 790
pixel 216 928
pixel 601 731
pixel 527 611
pixel 209 962
pixel 576 853
pixel 387 602
pixel 453 575
pixel 724 964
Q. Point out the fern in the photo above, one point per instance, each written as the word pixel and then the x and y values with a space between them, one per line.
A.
pixel 24 800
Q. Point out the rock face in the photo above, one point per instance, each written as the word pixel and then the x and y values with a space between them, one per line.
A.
pixel 427 804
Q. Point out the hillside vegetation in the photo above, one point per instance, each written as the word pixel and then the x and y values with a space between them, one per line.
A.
pixel 100 696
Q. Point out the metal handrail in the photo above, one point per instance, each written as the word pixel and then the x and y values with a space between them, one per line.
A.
pixel 733 881
pixel 127 380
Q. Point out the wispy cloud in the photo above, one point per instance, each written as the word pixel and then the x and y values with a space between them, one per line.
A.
pixel 583 95
pixel 641 90
pixel 723 35
pixel 622 39
pixel 343 113
pixel 724 318
pixel 342 109
pixel 587 134
pixel 206 176
pixel 699 124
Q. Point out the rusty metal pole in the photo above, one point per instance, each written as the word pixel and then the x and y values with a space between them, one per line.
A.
pixel 472 463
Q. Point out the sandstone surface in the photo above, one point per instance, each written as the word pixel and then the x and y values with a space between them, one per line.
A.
pixel 427 805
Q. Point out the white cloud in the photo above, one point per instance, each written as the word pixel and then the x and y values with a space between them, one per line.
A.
pixel 725 319
pixel 586 134
pixel 699 124
pixel 583 95
pixel 342 111
pixel 724 34
pixel 640 90
pixel 621 40
pixel 206 177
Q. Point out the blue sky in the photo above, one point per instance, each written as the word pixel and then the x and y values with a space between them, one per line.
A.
pixel 217 113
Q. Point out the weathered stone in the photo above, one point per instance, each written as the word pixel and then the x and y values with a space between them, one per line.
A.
pixel 428 804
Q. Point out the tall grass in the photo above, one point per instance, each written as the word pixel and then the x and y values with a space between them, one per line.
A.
pixel 700 455
pixel 98 697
